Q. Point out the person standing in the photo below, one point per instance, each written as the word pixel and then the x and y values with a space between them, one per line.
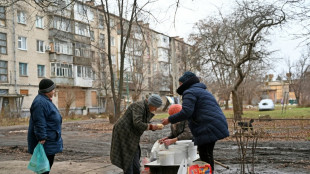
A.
pixel 125 149
pixel 206 119
pixel 45 122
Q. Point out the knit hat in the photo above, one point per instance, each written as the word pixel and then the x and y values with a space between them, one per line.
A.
pixel 46 86
pixel 175 108
pixel 187 75
pixel 155 100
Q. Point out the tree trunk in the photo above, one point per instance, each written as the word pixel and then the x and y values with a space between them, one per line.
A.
pixel 226 104
pixel 236 106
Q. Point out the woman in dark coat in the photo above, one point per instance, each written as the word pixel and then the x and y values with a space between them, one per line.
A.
pixel 206 119
pixel 125 149
pixel 45 122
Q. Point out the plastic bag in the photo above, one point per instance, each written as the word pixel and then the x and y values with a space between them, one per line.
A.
pixel 155 149
pixel 183 167
pixel 39 162
pixel 200 167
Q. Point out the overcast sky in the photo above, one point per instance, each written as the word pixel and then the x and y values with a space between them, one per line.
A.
pixel 191 11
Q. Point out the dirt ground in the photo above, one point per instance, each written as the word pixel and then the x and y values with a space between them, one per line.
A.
pixel 87 146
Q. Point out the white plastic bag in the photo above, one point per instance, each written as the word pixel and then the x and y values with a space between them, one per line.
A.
pixel 155 149
pixel 183 167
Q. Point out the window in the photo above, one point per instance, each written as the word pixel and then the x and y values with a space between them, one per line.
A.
pixel 63 47
pixel 3 46
pixel 39 22
pixel 101 41
pixel 84 72
pixel 21 17
pixel 101 22
pixel 41 70
pixel 2 16
pixel 113 59
pixel 3 71
pixel 61 70
pixel 24 92
pixel 92 36
pixel 112 23
pixel 22 43
pixel 23 69
pixel 61 24
pixel 112 41
pixel 40 46
pixel 82 29
pixel 82 50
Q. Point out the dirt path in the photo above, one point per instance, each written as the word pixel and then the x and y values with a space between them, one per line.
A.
pixel 87 146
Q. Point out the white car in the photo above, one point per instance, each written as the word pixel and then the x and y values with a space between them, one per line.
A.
pixel 265 105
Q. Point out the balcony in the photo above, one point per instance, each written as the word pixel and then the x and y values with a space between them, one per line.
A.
pixel 55 33
pixel 54 57
pixel 83 82
pixel 82 61
pixel 63 81
pixel 82 39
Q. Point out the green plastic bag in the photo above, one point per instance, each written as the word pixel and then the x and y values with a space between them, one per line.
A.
pixel 39 162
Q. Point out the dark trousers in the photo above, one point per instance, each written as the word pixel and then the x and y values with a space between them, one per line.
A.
pixel 51 161
pixel 134 168
pixel 206 153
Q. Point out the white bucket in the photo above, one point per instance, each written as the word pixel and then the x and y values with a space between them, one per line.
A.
pixel 180 153
pixel 192 152
pixel 166 157
pixel 182 142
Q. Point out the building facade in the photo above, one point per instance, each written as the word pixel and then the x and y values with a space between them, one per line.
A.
pixel 68 44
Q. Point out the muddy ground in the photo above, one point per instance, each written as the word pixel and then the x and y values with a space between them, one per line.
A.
pixel 87 144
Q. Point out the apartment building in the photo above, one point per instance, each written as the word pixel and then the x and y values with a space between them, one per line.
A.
pixel 23 60
pixel 68 44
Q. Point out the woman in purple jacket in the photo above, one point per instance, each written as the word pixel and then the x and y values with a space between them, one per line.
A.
pixel 45 122
pixel 205 117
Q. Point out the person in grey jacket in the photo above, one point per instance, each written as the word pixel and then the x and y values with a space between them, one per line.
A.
pixel 179 131
pixel 206 120
pixel 125 150
pixel 45 122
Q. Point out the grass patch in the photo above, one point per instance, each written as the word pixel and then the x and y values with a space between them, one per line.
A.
pixel 25 121
pixel 13 121
pixel 161 115
pixel 289 112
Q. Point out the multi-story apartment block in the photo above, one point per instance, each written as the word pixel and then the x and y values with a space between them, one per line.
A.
pixel 68 44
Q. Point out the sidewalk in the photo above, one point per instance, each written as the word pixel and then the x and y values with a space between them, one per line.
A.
pixel 65 167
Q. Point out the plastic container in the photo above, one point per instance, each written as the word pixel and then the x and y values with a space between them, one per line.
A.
pixel 192 152
pixel 180 152
pixel 166 157
pixel 182 142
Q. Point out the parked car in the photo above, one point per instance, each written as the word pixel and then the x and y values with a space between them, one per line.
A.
pixel 266 105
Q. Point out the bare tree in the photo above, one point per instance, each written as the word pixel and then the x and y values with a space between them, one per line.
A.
pixel 237 42
pixel 298 78
pixel 128 13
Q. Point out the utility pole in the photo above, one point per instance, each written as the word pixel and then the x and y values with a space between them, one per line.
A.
pixel 14 47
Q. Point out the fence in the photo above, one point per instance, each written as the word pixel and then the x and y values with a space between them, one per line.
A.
pixel 293 128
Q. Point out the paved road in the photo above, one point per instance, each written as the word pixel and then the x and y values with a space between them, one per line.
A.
pixel 87 148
